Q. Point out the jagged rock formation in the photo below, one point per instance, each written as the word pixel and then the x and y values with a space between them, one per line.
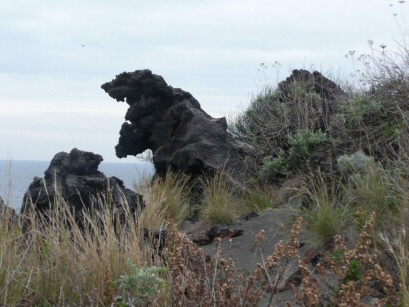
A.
pixel 303 83
pixel 322 98
pixel 171 123
pixel 312 82
pixel 75 177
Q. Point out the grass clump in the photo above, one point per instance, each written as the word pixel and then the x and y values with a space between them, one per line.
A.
pixel 258 198
pixel 397 246
pixel 50 265
pixel 167 199
pixel 324 212
pixel 376 190
pixel 219 204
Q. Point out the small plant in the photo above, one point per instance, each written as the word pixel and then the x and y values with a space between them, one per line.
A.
pixel 199 282
pixel 303 144
pixel 269 275
pixel 360 108
pixel 358 162
pixel 358 269
pixel 141 284
pixel 274 165
pixel 353 273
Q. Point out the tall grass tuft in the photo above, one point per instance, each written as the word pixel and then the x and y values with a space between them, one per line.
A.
pixel 325 214
pixel 219 206
pixel 377 190
pixel 167 199
pixel 258 198
pixel 58 262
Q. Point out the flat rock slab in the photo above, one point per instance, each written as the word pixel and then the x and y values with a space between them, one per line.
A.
pixel 277 225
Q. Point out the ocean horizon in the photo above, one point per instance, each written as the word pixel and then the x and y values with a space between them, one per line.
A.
pixel 16 176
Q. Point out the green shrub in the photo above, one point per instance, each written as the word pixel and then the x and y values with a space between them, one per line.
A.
pixel 358 162
pixel 361 107
pixel 274 165
pixel 142 283
pixel 303 144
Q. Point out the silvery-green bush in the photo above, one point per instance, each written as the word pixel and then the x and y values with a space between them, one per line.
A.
pixel 358 162
pixel 140 284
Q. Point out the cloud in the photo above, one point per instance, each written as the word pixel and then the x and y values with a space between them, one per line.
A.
pixel 210 48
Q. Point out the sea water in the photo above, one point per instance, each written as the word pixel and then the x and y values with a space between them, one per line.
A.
pixel 16 176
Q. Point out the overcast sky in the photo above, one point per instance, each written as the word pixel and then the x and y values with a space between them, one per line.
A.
pixel 54 56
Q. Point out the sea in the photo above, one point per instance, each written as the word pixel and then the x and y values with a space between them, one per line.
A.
pixel 16 176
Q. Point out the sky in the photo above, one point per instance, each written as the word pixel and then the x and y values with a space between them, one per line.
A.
pixel 54 56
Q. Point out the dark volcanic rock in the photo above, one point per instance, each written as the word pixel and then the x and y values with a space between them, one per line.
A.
pixel 303 81
pixel 80 184
pixel 7 212
pixel 312 82
pixel 206 237
pixel 4 209
pixel 171 123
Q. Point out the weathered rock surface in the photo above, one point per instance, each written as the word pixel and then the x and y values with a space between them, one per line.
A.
pixel 171 123
pixel 312 82
pixel 206 237
pixel 7 213
pixel 80 184
pixel 246 254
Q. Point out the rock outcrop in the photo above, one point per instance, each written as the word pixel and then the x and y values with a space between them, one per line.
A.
pixel 305 84
pixel 7 212
pixel 75 177
pixel 312 82
pixel 171 123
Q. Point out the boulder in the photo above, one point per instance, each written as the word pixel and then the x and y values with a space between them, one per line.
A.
pixel 75 178
pixel 207 237
pixel 171 123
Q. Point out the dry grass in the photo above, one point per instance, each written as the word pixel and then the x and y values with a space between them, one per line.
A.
pixel 325 213
pixel 220 204
pixel 57 263
pixel 167 199
pixel 50 265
